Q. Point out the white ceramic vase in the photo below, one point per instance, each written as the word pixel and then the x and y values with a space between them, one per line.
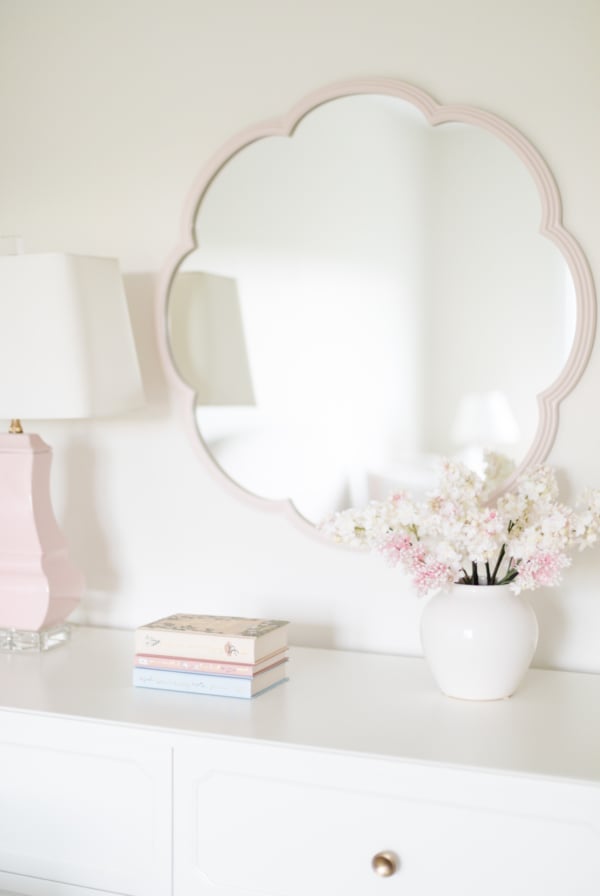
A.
pixel 478 640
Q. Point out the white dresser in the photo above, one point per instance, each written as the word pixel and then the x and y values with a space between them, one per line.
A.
pixel 109 789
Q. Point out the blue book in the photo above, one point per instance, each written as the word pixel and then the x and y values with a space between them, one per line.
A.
pixel 202 683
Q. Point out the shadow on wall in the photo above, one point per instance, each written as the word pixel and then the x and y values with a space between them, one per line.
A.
pixel 140 290
pixel 315 635
pixel 88 545
pixel 552 619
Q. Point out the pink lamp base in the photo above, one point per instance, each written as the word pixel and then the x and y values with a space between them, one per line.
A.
pixel 39 586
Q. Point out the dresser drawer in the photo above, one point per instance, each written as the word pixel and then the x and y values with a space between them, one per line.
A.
pixel 287 822
pixel 83 806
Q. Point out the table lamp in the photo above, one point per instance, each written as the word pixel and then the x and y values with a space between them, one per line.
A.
pixel 66 351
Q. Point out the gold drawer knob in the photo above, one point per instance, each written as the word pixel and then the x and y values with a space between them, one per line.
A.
pixel 384 864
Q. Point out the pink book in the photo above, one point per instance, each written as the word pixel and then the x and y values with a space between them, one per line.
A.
pixel 210 667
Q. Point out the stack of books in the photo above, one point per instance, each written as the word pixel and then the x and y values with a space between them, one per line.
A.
pixel 226 656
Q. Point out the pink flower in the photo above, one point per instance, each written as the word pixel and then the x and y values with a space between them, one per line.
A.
pixel 428 574
pixel 397 549
pixel 431 575
pixel 542 569
pixel 455 533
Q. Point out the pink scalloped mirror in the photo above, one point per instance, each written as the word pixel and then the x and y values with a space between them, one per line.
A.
pixel 361 286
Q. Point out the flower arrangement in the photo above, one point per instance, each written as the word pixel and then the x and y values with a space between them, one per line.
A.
pixel 459 534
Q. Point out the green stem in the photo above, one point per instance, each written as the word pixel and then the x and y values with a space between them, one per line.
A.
pixel 488 573
pixel 475 576
pixel 498 562
pixel 511 573
pixel 510 576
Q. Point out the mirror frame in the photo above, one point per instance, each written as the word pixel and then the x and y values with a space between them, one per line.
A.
pixel 435 113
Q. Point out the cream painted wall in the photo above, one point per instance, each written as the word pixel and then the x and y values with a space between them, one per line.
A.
pixel 108 111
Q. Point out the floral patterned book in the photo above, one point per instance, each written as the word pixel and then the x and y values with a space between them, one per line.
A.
pixel 226 638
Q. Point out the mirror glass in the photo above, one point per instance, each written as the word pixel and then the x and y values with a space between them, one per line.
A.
pixel 365 296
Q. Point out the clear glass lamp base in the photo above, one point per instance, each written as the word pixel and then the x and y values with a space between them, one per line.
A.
pixel 15 640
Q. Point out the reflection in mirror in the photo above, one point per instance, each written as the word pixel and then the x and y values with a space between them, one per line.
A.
pixel 366 296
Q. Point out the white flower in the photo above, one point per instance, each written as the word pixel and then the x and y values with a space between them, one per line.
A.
pixel 457 534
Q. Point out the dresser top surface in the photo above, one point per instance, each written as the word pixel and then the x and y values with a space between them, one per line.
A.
pixel 336 700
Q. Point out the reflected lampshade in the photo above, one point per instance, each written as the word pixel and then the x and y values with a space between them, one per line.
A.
pixel 209 343
pixel 485 418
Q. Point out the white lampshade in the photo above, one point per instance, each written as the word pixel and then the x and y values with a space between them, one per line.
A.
pixel 485 418
pixel 66 346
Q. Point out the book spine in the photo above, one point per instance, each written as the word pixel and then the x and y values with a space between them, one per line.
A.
pixel 209 667
pixel 192 683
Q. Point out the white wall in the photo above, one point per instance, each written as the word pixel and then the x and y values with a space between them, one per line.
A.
pixel 108 111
